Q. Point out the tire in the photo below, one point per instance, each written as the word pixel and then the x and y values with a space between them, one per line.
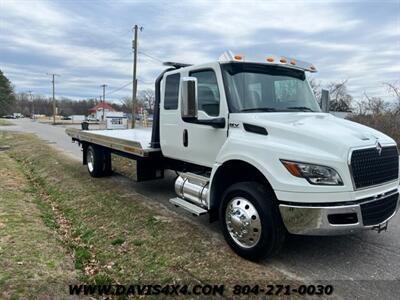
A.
pixel 250 220
pixel 96 161
pixel 107 163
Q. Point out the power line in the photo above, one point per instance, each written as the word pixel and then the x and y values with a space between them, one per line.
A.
pixel 145 82
pixel 126 85
pixel 150 56
pixel 119 88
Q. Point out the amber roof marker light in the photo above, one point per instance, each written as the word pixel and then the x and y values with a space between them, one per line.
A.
pixel 270 59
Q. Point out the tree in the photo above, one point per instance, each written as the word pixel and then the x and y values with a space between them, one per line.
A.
pixel 127 102
pixel 361 108
pixel 394 89
pixel 376 105
pixel 316 88
pixel 147 97
pixel 7 97
pixel 340 99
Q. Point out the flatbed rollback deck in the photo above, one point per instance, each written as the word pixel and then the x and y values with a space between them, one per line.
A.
pixel 130 143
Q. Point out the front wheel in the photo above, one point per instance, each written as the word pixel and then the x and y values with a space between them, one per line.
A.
pixel 250 220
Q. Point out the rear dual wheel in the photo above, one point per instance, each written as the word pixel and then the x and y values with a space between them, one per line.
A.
pixel 98 161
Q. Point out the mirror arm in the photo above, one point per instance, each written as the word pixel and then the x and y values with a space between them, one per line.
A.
pixel 215 122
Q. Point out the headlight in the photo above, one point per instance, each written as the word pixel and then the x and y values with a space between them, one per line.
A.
pixel 314 174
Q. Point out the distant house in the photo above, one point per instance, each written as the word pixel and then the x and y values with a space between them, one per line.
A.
pixel 97 111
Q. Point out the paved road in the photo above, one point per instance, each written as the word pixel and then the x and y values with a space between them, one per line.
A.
pixel 364 265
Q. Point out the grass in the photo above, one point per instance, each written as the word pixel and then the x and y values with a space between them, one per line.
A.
pixel 112 234
pixel 118 241
pixel 30 255
pixel 5 123
pixel 125 166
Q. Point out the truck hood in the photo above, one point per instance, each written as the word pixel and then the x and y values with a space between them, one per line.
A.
pixel 320 130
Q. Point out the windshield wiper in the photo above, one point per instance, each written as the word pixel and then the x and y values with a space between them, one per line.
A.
pixel 303 108
pixel 258 109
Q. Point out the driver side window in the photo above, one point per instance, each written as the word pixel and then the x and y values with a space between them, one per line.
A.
pixel 208 92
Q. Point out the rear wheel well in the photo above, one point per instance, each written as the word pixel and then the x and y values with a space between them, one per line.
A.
pixel 229 173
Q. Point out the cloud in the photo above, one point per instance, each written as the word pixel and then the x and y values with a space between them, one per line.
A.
pixel 42 14
pixel 320 44
pixel 241 19
pixel 89 43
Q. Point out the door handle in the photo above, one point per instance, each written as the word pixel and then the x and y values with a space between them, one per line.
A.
pixel 185 138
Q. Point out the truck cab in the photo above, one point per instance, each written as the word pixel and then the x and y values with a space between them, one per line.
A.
pixel 184 138
pixel 254 150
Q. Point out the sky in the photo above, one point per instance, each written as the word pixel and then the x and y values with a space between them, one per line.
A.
pixel 89 43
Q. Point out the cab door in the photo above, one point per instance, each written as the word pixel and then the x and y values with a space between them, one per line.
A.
pixel 190 141
pixel 201 143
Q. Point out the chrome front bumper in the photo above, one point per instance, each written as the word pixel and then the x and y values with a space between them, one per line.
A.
pixel 324 219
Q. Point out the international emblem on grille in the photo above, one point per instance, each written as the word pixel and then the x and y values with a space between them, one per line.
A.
pixel 378 147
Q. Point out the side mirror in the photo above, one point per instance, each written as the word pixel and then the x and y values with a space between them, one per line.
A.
pixel 189 98
pixel 325 101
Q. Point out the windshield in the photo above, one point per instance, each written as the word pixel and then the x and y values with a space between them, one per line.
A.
pixel 261 88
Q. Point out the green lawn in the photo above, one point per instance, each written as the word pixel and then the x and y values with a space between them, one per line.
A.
pixel 4 122
pixel 101 228
pixel 30 255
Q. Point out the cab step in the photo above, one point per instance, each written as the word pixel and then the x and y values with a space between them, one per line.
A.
pixel 190 207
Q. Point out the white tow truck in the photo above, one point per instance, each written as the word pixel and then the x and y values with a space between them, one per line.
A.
pixel 254 150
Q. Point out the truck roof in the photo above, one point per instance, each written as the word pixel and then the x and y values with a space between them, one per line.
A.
pixel 283 61
pixel 229 57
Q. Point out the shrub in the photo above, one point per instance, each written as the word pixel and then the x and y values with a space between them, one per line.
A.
pixel 388 123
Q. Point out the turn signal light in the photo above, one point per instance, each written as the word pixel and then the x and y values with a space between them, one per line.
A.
pixel 292 168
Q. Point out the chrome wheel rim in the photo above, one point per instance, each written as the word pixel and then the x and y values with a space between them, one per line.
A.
pixel 90 161
pixel 243 222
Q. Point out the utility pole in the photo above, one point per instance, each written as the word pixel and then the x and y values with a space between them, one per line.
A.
pixel 33 105
pixel 134 80
pixel 104 97
pixel 54 99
